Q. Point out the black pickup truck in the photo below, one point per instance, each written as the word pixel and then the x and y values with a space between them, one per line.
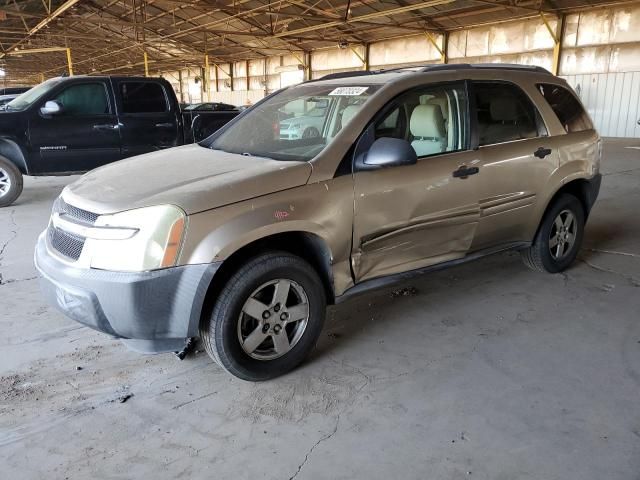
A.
pixel 71 125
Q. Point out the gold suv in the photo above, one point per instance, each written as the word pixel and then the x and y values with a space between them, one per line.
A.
pixel 244 238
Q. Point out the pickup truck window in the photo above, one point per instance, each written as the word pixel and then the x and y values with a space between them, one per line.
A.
pixel 84 99
pixel 143 97
pixel 28 98
pixel 295 124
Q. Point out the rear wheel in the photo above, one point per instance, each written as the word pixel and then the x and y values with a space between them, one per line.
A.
pixel 267 318
pixel 10 182
pixel 559 237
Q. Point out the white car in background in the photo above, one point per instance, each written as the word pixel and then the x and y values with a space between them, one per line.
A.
pixel 307 125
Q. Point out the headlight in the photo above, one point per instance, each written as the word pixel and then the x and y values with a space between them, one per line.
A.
pixel 155 244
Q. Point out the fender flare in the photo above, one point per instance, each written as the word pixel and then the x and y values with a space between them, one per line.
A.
pixel 567 183
pixel 12 152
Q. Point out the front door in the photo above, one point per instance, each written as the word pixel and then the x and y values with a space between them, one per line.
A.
pixel 418 215
pixel 147 117
pixel 83 135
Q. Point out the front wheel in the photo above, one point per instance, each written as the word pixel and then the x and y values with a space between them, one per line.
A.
pixel 267 318
pixel 10 182
pixel 559 237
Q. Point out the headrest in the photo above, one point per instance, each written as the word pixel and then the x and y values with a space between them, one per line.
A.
pixel 427 121
pixel 503 109
pixel 348 113
pixel 442 103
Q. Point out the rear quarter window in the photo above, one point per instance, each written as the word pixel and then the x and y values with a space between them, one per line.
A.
pixel 566 107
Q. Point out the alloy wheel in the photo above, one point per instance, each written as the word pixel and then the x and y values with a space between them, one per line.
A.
pixel 273 319
pixel 563 234
pixel 5 182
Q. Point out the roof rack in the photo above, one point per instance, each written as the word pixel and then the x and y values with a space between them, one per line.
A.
pixel 435 68
pixel 487 66
pixel 356 73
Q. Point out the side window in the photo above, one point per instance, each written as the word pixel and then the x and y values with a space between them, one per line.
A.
pixel 84 99
pixel 143 97
pixel 433 120
pixel 504 113
pixel 566 107
pixel 392 125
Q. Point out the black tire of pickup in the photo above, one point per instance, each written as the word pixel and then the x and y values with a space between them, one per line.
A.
pixel 220 331
pixel 14 178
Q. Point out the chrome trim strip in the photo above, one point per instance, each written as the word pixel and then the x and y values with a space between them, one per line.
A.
pixel 95 233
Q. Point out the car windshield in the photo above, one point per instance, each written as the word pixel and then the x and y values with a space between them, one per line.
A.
pixel 296 124
pixel 29 97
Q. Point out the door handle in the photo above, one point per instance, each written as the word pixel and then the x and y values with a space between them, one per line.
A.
pixel 463 171
pixel 165 125
pixel 106 126
pixel 542 152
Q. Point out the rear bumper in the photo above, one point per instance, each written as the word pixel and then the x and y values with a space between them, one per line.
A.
pixel 592 190
pixel 152 311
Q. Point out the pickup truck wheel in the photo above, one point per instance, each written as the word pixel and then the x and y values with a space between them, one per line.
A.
pixel 559 237
pixel 267 318
pixel 310 132
pixel 10 182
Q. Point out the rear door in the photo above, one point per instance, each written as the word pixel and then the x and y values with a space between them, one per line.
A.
pixel 83 136
pixel 517 160
pixel 148 119
pixel 418 215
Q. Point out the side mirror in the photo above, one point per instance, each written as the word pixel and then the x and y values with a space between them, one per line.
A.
pixel 387 152
pixel 51 108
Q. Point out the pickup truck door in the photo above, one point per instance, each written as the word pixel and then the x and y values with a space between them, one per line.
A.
pixel 414 216
pixel 149 120
pixel 83 135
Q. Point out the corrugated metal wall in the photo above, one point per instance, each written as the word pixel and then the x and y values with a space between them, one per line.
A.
pixel 613 101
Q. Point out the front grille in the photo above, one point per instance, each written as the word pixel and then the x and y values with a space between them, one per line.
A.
pixel 64 243
pixel 63 208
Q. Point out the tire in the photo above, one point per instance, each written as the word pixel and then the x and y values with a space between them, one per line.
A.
pixel 310 132
pixel 254 288
pixel 11 182
pixel 554 249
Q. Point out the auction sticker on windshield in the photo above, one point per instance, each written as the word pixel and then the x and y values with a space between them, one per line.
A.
pixel 351 91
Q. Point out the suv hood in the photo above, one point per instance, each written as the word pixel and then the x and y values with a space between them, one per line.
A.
pixel 192 177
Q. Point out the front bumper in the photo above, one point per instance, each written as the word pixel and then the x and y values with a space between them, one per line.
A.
pixel 151 311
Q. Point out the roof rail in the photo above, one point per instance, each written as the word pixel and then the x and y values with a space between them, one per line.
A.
pixel 356 73
pixel 435 68
pixel 488 66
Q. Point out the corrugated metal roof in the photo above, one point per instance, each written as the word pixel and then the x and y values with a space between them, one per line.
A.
pixel 110 35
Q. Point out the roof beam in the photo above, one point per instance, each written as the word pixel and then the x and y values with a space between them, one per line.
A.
pixel 56 13
pixel 367 16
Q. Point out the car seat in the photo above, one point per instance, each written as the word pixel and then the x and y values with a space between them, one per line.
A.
pixel 427 127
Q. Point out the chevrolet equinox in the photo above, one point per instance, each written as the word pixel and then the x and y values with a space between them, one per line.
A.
pixel 244 238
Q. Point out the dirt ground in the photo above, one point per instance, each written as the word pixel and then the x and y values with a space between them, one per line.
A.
pixel 484 371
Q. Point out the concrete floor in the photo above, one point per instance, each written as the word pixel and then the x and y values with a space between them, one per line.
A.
pixel 487 371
